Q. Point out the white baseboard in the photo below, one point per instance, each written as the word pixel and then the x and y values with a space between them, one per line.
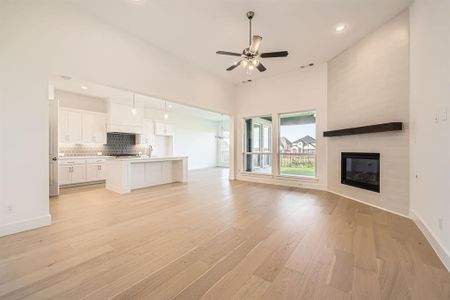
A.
pixel 370 204
pixel 25 225
pixel 440 250
pixel 289 182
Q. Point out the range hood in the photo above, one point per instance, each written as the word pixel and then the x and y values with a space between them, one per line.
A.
pixel 121 119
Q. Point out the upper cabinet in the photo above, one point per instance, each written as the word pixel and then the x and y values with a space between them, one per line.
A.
pixel 148 133
pixel 81 127
pixel 164 129
pixel 70 126
pixel 94 128
pixel 122 119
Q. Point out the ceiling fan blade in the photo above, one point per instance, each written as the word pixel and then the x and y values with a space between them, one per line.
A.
pixel 228 53
pixel 256 42
pixel 275 54
pixel 234 66
pixel 260 67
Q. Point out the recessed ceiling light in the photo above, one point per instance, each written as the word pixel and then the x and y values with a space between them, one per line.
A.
pixel 83 87
pixel 137 2
pixel 169 105
pixel 341 28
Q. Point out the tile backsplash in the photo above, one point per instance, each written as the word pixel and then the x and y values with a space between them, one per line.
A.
pixel 117 143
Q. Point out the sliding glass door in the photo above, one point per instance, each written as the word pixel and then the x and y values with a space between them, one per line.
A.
pixel 258 145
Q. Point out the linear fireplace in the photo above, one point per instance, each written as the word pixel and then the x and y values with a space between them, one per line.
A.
pixel 361 170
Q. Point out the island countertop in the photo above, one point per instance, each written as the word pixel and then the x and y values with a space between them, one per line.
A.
pixel 150 159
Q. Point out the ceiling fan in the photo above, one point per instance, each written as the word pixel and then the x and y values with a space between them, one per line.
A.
pixel 250 57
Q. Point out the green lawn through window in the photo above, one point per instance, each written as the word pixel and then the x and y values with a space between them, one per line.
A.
pixel 297 171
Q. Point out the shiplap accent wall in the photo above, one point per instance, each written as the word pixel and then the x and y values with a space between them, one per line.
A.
pixel 368 84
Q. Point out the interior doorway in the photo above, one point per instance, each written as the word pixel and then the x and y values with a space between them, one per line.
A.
pixel 223 142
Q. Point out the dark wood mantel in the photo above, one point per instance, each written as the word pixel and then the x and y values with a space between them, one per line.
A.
pixel 392 126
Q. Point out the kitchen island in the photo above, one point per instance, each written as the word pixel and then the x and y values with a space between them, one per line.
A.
pixel 126 174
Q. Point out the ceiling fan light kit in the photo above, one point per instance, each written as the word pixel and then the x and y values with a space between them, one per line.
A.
pixel 250 57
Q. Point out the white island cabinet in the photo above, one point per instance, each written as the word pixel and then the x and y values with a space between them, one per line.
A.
pixel 126 174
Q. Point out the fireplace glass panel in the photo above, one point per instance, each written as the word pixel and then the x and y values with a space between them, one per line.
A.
pixel 361 170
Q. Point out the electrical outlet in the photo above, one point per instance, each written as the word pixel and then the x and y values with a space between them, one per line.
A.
pixel 441 223
pixel 10 209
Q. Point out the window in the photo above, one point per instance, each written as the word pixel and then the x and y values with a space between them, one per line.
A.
pixel 298 144
pixel 258 145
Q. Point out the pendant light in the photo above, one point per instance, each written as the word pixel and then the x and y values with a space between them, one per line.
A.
pixel 166 115
pixel 133 110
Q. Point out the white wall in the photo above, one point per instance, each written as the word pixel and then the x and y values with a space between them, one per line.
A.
pixel 299 90
pixel 367 85
pixel 41 38
pixel 194 137
pixel 430 138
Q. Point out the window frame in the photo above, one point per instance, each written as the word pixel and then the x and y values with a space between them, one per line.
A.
pixel 278 152
pixel 261 144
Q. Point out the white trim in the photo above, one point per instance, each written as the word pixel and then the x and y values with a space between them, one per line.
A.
pixel 300 178
pixel 25 225
pixel 269 179
pixel 256 174
pixel 370 204
pixel 440 249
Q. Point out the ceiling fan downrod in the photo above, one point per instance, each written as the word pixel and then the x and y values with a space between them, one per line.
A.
pixel 250 16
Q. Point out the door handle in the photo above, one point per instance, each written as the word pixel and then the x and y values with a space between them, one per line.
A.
pixel 54 158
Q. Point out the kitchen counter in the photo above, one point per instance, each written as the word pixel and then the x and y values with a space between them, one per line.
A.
pixel 128 173
pixel 150 159
pixel 84 157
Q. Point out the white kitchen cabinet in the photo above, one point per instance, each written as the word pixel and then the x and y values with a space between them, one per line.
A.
pixel 95 172
pixel 166 171
pixel 94 128
pixel 148 133
pixel 80 170
pixel 127 174
pixel 138 178
pixel 64 175
pixel 164 129
pixel 72 171
pixel 152 174
pixel 78 174
pixel 70 126
pixel 95 169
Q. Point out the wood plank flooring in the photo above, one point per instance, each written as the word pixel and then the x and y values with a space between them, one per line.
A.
pixel 216 239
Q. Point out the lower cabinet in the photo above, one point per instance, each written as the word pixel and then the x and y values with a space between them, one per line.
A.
pixel 70 174
pixel 64 175
pixel 95 172
pixel 150 174
pixel 81 170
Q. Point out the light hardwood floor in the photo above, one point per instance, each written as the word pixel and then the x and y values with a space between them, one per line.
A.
pixel 215 239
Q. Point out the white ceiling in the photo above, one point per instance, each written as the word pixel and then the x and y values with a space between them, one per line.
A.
pixel 126 97
pixel 195 29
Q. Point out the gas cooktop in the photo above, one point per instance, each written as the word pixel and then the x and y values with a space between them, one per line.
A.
pixel 126 155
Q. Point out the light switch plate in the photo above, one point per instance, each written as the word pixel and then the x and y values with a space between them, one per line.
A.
pixel 444 115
